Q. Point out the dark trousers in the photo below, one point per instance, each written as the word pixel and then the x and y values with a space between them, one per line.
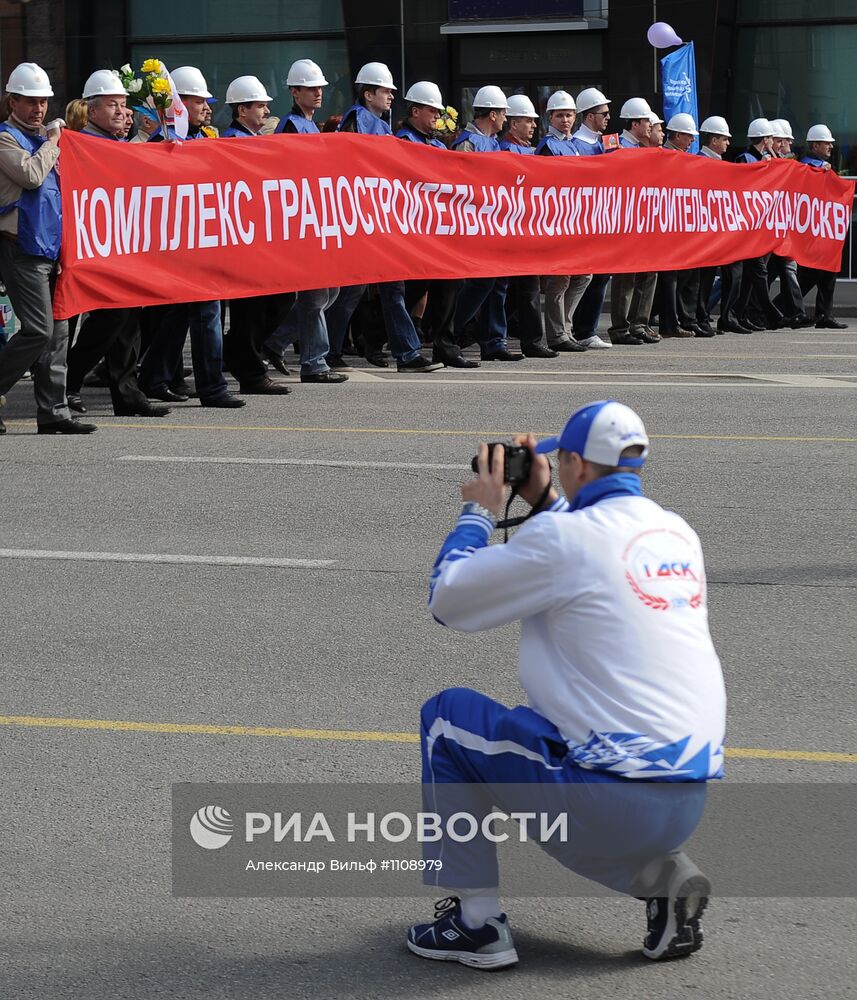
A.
pixel 755 298
pixel 112 334
pixel 790 300
pixel 439 313
pixel 677 293
pixel 825 284
pixel 523 310
pixel 706 283
pixel 251 322
pixel 730 292
pixel 588 311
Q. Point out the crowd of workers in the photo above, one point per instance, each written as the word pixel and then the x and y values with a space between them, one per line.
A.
pixel 139 352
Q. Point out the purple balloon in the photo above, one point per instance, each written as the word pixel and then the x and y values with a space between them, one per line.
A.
pixel 661 35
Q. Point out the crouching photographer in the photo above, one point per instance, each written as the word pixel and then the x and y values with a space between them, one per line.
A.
pixel 624 687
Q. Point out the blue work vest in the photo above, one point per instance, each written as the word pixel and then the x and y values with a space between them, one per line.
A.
pixel 301 125
pixel 39 210
pixel 481 143
pixel 411 135
pixel 587 148
pixel 556 147
pixel 157 135
pixel 513 147
pixel 367 123
pixel 811 161
pixel 627 144
pixel 236 133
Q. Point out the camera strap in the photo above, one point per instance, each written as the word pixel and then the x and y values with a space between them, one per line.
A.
pixel 514 522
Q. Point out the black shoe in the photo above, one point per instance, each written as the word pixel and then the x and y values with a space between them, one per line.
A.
pixel 674 921
pixel 829 323
pixel 733 328
pixel 706 331
pixel 800 322
pixel 227 401
pixel 503 355
pixel 328 377
pixel 379 360
pixel 168 396
pixel 67 427
pixel 455 361
pixel 275 360
pixel 2 426
pixel 569 346
pixel 75 402
pixel 419 366
pixel 649 336
pixel 142 410
pixel 181 388
pixel 338 363
pixel 264 386
pixel 537 351
pixel 627 340
pixel 751 326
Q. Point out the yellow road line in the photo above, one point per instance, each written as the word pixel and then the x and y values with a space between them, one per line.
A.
pixel 447 433
pixel 346 735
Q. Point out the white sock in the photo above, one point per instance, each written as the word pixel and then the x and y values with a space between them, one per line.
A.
pixel 475 910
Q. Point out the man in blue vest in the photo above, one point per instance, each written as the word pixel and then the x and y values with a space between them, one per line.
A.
pixel 30 233
pixel 161 369
pixel 593 110
pixel 755 309
pixel 631 295
pixel 112 334
pixel 250 319
pixel 368 116
pixel 425 103
pixel 523 293
pixel 485 296
pixel 306 323
pixel 819 148
pixel 562 292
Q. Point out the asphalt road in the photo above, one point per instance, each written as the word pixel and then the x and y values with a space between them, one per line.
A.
pixel 300 532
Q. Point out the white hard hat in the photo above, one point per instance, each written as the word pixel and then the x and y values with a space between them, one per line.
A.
pixel 375 74
pixel 491 98
pixel 637 107
pixel 819 133
pixel 103 83
pixel 426 93
pixel 589 99
pixel 561 101
pixel 682 122
pixel 520 106
pixel 29 80
pixel 305 73
pixel 785 128
pixel 715 125
pixel 190 82
pixel 246 90
pixel 759 128
pixel 653 118
pixel 779 131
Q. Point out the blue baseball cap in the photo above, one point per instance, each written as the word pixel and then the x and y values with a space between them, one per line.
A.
pixel 600 432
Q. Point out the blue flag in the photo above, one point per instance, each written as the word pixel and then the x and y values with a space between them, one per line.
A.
pixel 679 85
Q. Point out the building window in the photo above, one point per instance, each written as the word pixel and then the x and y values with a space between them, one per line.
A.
pixel 196 18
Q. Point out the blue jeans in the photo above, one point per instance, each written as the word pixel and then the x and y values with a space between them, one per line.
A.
pixel 489 295
pixel 588 311
pixel 164 356
pixel 478 754
pixel 306 324
pixel 402 336
pixel 340 313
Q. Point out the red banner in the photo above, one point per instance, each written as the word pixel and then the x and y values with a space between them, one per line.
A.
pixel 218 219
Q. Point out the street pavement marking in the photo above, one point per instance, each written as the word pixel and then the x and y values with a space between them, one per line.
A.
pixel 347 735
pixel 457 433
pixel 159 557
pixel 302 462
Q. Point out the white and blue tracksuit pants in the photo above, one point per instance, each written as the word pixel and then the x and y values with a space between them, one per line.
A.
pixel 480 756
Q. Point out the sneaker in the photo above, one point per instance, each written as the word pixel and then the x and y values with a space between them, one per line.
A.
pixel 595 343
pixel 449 940
pixel 419 365
pixel 674 921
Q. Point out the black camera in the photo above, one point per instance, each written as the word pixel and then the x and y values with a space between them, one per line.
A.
pixel 517 462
